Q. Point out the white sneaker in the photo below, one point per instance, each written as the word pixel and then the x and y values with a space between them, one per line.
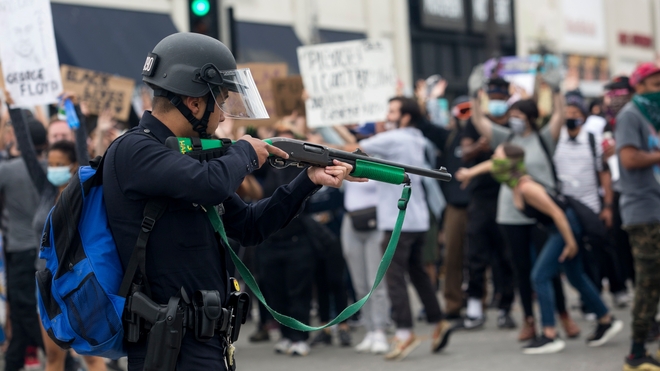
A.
pixel 299 348
pixel 621 299
pixel 544 345
pixel 365 345
pixel 282 346
pixel 379 344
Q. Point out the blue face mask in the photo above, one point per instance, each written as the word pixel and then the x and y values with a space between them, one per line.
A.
pixel 497 108
pixel 59 175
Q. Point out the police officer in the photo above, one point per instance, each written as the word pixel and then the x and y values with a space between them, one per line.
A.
pixel 196 85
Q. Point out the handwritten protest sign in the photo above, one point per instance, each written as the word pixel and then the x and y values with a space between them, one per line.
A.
pixel 100 90
pixel 347 82
pixel 287 92
pixel 28 53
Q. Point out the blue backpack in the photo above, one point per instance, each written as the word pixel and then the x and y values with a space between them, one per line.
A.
pixel 83 289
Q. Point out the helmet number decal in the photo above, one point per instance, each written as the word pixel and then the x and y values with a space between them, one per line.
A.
pixel 150 65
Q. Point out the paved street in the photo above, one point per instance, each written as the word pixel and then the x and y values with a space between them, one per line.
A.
pixel 488 349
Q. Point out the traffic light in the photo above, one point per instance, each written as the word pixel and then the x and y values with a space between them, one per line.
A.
pixel 203 16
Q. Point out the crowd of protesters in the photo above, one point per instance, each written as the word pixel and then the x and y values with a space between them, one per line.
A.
pixel 571 188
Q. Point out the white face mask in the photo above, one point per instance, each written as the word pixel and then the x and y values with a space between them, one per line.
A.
pixel 517 125
pixel 58 175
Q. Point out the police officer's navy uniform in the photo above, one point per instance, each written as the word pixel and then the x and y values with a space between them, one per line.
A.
pixel 183 250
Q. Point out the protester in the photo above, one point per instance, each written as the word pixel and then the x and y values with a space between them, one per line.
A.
pixel 579 162
pixel 326 211
pixel 361 242
pixel 638 146
pixel 62 160
pixel 447 140
pixel 618 93
pixel 561 249
pixel 485 242
pixel 518 229
pixel 286 261
pixel 406 145
pixel 21 202
pixel 59 130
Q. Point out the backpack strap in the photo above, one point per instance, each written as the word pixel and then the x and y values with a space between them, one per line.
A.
pixel 557 188
pixel 152 212
pixel 592 144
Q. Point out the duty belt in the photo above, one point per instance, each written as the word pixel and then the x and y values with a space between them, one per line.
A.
pixel 166 324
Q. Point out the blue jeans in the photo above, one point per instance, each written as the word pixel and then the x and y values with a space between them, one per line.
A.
pixel 547 266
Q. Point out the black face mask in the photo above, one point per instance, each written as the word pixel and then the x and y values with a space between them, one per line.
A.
pixel 572 124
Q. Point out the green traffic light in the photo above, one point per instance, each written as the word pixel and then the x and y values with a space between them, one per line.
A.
pixel 200 7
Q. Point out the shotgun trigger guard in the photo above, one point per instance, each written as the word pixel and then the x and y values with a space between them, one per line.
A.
pixel 280 163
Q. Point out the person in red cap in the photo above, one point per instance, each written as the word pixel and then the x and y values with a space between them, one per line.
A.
pixel 638 147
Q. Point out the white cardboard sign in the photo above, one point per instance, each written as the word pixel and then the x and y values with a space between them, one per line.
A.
pixel 347 82
pixel 30 64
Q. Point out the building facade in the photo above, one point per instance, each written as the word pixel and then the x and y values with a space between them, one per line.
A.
pixel 598 39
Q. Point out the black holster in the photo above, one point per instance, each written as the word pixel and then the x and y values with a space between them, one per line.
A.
pixel 167 329
pixel 166 324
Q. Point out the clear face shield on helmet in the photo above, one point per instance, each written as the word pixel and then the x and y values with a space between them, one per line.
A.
pixel 237 96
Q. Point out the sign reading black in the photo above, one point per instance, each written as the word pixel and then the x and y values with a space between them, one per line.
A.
pixel 444 15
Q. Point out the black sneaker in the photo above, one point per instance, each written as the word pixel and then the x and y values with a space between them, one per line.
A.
pixel 646 363
pixel 604 333
pixel 260 335
pixel 322 337
pixel 344 338
pixel 505 322
pixel 474 323
pixel 544 345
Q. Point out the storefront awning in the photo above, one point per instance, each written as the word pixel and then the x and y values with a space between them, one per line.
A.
pixel 108 40
pixel 260 42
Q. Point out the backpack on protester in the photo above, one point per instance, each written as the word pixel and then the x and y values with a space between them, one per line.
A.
pixel 81 291
pixel 594 231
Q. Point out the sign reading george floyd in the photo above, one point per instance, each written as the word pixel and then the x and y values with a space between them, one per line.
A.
pixel 347 82
pixel 28 53
pixel 100 90
pixel 288 92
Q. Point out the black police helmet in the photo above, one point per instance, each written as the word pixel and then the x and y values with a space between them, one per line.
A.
pixel 188 64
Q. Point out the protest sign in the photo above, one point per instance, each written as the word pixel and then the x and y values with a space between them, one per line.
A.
pixel 263 73
pixel 287 92
pixel 100 90
pixel 347 82
pixel 520 71
pixel 28 53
